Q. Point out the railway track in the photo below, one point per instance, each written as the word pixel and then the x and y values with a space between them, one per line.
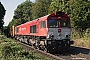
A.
pixel 76 53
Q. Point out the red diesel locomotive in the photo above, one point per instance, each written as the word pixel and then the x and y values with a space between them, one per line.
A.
pixel 50 33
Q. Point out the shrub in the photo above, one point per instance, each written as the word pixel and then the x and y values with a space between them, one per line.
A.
pixel 81 38
pixel 87 34
pixel 6 51
pixel 10 49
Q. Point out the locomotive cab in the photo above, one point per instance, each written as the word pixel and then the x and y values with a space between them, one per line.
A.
pixel 59 28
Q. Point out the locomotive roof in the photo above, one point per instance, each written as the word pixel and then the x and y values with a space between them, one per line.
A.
pixel 33 20
pixel 53 14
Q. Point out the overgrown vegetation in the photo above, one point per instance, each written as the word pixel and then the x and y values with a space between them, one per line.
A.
pixel 10 50
pixel 81 38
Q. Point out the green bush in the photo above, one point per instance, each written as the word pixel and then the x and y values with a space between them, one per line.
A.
pixel 10 50
pixel 76 34
pixel 87 34
pixel 6 51
pixel 81 38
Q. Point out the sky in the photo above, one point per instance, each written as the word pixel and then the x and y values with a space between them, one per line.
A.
pixel 10 6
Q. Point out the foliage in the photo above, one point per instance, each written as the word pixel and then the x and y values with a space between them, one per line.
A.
pixel 2 13
pixel 40 8
pixel 22 14
pixel 11 50
pixel 87 34
pixel 58 5
pixel 80 14
pixel 81 38
pixel 29 10
pixel 8 51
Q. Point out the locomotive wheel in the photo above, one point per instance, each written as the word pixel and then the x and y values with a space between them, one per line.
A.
pixel 37 47
pixel 45 50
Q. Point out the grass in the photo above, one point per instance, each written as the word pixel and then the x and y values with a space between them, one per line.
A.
pixel 10 50
pixel 81 39
pixel 82 43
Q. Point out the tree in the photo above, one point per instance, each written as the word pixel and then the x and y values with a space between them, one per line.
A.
pixel 80 14
pixel 28 11
pixel 22 14
pixel 40 8
pixel 2 13
pixel 58 5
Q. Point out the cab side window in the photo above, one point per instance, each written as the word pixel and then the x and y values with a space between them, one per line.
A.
pixel 43 24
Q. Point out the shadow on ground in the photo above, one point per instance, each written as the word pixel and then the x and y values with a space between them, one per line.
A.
pixel 78 50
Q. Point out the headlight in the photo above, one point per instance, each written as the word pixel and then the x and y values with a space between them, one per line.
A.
pixel 50 36
pixel 47 36
pixel 68 36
